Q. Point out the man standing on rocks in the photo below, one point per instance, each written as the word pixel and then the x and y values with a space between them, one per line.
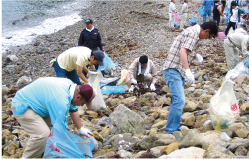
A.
pixel 77 58
pixel 207 7
pixel 144 70
pixel 176 68
pixel 231 45
pixel 184 13
pixel 39 104
pixel 90 37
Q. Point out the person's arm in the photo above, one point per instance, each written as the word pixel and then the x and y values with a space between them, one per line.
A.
pixel 133 69
pixel 219 9
pixel 244 47
pixel 75 116
pixel 80 73
pixel 184 57
pixel 81 39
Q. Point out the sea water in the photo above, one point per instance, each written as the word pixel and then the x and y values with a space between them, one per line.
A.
pixel 23 20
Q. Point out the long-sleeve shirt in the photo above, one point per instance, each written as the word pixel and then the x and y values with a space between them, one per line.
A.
pixel 90 39
pixel 133 69
pixel 184 8
pixel 240 30
pixel 48 96
pixel 239 40
pixel 172 7
pixel 207 5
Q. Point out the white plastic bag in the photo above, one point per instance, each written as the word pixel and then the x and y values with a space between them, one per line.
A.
pixel 98 101
pixel 224 106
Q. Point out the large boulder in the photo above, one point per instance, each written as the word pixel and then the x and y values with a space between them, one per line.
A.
pixel 125 120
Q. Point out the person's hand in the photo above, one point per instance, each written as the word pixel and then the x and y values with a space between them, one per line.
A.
pixel 152 87
pixel 85 131
pixel 190 76
pixel 224 16
pixel 89 84
pixel 133 81
pixel 90 73
pixel 199 58
pixel 132 88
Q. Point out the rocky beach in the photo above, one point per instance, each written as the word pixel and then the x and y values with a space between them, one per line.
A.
pixel 130 29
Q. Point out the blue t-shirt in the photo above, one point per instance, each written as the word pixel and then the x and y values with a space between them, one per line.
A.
pixel 207 5
pixel 48 96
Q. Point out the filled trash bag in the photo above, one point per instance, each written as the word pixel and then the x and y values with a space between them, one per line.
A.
pixel 125 78
pixel 63 144
pixel 201 11
pixel 113 89
pixel 98 102
pixel 224 107
pixel 193 21
pixel 109 65
pixel 239 70
pixel 177 16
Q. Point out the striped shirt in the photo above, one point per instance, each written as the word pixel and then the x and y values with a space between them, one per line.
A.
pixel 187 39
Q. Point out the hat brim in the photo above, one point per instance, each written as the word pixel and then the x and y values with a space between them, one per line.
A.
pixel 100 63
pixel 89 103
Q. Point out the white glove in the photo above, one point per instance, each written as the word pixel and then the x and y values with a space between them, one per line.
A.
pixel 89 84
pixel 85 131
pixel 152 87
pixel 225 16
pixel 132 88
pixel 90 73
pixel 190 76
pixel 133 81
pixel 199 58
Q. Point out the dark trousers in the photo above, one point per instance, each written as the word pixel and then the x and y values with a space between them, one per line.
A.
pixel 230 24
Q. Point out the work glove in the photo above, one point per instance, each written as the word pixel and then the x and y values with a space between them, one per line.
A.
pixel 199 58
pixel 190 76
pixel 132 88
pixel 90 73
pixel 133 81
pixel 152 87
pixel 85 131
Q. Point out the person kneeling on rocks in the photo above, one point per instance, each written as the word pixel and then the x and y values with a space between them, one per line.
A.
pixel 143 69
pixel 39 104
pixel 77 58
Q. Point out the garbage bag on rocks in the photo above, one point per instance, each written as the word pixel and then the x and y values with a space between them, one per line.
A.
pixel 239 70
pixel 98 102
pixel 109 65
pixel 193 21
pixel 113 89
pixel 63 144
pixel 224 106
pixel 125 78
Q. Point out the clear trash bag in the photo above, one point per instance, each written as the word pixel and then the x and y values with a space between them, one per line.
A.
pixel 239 70
pixel 98 101
pixel 109 65
pixel 63 144
pixel 224 106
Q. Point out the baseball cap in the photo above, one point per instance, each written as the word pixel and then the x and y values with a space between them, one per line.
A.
pixel 99 55
pixel 87 92
pixel 88 21
pixel 243 25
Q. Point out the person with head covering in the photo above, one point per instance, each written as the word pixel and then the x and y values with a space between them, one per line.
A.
pixel 72 62
pixel 90 36
pixel 232 43
pixel 176 68
pixel 38 105
pixel 242 29
pixel 143 69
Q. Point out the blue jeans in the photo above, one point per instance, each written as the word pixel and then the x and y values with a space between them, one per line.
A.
pixel 229 25
pixel 175 82
pixel 209 15
pixel 66 74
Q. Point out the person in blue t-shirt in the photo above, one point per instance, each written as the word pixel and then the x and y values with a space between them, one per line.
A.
pixel 207 4
pixel 39 104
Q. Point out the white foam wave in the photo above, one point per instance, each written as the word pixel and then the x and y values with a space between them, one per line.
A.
pixel 48 26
